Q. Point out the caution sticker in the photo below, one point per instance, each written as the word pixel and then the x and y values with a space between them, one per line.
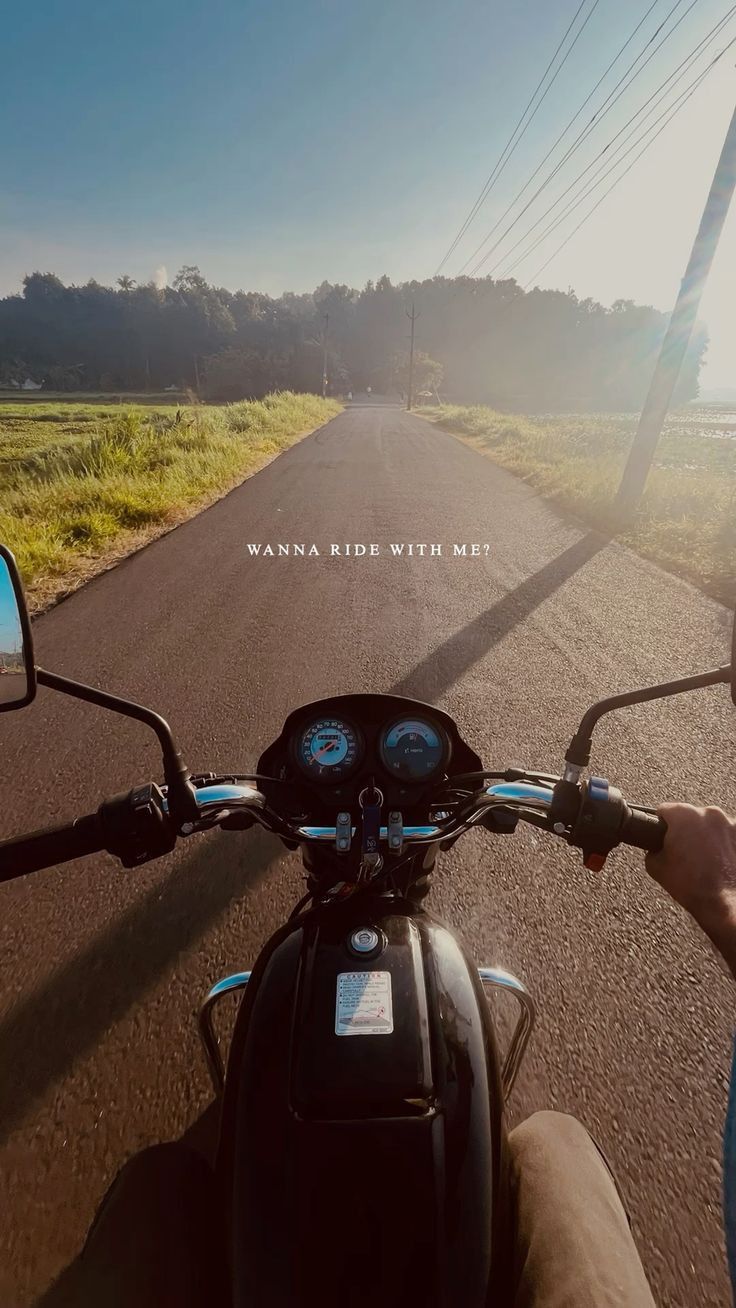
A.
pixel 363 1004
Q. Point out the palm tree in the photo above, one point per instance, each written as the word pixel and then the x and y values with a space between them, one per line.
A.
pixel 126 283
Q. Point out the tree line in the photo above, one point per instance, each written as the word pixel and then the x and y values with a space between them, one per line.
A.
pixel 477 341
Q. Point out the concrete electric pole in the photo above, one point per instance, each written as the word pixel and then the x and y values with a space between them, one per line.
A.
pixel 412 319
pixel 679 331
pixel 324 356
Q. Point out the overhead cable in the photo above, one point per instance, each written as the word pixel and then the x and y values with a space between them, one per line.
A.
pixel 511 144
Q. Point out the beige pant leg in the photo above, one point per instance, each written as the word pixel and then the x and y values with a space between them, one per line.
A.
pixel 574 1246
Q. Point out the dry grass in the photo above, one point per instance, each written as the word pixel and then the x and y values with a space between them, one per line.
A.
pixel 80 487
pixel 687 517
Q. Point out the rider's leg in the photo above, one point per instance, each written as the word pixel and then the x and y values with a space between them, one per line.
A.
pixel 574 1248
pixel 156 1241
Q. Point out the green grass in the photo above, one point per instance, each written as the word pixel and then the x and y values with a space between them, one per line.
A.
pixel 687 517
pixel 82 485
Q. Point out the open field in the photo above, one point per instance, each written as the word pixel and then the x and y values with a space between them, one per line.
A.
pixel 687 518
pixel 83 485
pixel 107 398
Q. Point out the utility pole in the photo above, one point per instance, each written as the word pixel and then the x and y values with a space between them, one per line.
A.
pixel 412 319
pixel 324 356
pixel 679 331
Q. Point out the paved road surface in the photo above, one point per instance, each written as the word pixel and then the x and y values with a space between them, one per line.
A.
pixel 102 969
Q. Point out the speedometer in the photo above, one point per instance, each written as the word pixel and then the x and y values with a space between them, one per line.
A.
pixel 413 749
pixel 328 749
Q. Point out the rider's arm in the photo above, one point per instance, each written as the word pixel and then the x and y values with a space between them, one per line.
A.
pixel 697 866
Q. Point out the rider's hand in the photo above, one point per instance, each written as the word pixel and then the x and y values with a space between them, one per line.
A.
pixel 697 866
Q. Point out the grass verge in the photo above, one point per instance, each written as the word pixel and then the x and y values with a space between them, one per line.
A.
pixel 687 518
pixel 81 488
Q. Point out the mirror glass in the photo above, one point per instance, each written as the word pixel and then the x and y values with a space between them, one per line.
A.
pixel 14 678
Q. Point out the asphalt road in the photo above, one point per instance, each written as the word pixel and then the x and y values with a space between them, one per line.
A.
pixel 102 970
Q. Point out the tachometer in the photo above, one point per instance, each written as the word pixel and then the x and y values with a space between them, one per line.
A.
pixel 413 749
pixel 328 749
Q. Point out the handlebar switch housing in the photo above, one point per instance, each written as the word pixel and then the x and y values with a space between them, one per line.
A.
pixel 136 825
pixel 597 829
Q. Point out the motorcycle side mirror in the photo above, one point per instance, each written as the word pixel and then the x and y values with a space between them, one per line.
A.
pixel 17 670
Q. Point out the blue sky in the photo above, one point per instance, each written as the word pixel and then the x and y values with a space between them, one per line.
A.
pixel 279 144
pixel 10 637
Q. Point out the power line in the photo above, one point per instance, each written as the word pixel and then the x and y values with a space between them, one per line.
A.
pixel 564 131
pixel 670 114
pixel 509 148
pixel 582 136
pixel 574 204
pixel 608 104
pixel 625 81
pixel 674 111
pixel 657 96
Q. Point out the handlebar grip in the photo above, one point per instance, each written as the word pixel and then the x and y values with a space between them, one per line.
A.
pixel 644 831
pixel 51 845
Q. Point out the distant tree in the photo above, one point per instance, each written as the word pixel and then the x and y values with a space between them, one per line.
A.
pixel 189 278
pixel 239 374
pixel 57 378
pixel 488 341
pixel 427 375
pixel 43 288
pixel 13 373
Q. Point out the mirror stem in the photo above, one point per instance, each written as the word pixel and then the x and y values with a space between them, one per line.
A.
pixel 182 802
pixel 578 753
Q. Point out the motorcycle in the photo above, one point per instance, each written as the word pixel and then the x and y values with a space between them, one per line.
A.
pixel 362 1151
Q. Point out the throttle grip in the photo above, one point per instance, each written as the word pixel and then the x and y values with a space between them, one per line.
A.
pixel 51 845
pixel 643 831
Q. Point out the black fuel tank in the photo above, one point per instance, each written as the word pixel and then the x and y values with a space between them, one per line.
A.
pixel 363 1141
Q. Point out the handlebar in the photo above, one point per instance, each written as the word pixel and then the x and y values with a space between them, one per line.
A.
pixel 644 831
pixel 51 845
pixel 529 801
pixel 137 827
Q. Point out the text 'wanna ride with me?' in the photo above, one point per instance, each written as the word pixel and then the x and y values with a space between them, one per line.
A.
pixel 360 550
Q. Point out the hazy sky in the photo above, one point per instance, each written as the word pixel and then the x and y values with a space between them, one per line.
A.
pixel 279 144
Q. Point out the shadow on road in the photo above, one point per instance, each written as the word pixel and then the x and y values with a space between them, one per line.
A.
pixel 447 664
pixel 63 1018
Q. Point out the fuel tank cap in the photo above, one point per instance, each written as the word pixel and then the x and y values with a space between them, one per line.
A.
pixel 366 940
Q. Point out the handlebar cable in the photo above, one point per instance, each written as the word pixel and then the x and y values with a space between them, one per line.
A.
pixel 214 778
pixel 511 774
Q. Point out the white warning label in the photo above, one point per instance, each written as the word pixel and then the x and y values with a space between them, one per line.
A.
pixel 363 1005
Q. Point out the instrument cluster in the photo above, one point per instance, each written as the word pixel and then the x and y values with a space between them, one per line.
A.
pixel 334 748
pixel 410 749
